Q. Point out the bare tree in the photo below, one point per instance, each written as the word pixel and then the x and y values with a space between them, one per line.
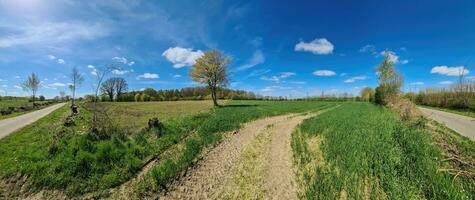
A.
pixel 61 95
pixel 76 80
pixel 100 74
pixel 120 85
pixel 32 84
pixel 211 69
pixel 108 88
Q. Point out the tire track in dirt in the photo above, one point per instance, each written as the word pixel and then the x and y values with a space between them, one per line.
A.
pixel 207 180
pixel 215 177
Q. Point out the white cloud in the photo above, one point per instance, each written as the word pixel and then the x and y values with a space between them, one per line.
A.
pixel 93 70
pixel 60 61
pixel 148 76
pixel 297 82
pixel 318 46
pixel 17 77
pixel 258 72
pixel 368 48
pixel 445 82
pixel 324 73
pixel 57 84
pixel 356 78
pixel 51 57
pixel 278 78
pixel 417 83
pixel 449 71
pixel 49 33
pixel 274 88
pixel 257 58
pixel 4 85
pixel 120 72
pixel 405 61
pixel 181 57
pixel 17 87
pixel 123 61
pixel 391 55
pixel 176 76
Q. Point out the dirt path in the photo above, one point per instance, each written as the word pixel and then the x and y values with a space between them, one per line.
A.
pixel 10 125
pixel 461 124
pixel 254 163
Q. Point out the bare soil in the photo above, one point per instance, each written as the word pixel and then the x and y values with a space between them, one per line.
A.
pixel 257 158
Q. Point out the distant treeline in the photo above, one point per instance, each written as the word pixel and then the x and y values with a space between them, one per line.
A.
pixel 458 96
pixel 189 93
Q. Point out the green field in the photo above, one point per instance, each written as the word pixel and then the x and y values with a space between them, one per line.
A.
pixel 76 162
pixel 362 151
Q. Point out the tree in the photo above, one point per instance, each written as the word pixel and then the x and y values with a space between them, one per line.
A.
pixel 76 80
pixel 61 95
pixel 42 98
pixel 367 94
pixel 120 86
pixel 108 88
pixel 211 69
pixel 390 81
pixel 32 84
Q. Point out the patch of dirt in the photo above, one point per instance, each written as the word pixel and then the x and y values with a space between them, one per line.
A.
pixel 19 187
pixel 207 180
pixel 255 163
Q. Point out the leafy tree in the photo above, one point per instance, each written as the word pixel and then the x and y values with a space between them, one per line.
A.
pixel 120 86
pixel 76 80
pixel 211 69
pixel 390 81
pixel 367 94
pixel 32 84
pixel 42 98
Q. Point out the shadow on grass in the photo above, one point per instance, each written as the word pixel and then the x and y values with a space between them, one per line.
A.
pixel 238 106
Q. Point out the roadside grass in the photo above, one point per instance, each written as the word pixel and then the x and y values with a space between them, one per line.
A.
pixel 73 160
pixel 210 131
pixel 468 113
pixel 17 102
pixel 363 151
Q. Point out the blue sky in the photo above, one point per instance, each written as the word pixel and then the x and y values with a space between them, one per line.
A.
pixel 288 48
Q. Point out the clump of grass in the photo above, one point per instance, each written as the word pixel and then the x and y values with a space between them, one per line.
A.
pixel 369 153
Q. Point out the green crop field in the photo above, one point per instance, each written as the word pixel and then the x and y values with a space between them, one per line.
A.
pixel 363 151
pixel 76 162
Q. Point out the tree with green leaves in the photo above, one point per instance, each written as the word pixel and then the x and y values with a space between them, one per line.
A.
pixel 211 69
pixel 390 81
pixel 31 85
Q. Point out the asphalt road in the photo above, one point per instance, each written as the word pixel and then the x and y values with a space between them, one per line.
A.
pixel 461 124
pixel 10 125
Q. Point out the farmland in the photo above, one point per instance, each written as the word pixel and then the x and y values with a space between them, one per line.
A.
pixel 75 162
pixel 362 151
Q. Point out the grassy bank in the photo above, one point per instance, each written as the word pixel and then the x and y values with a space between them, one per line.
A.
pixel 362 151
pixel 72 160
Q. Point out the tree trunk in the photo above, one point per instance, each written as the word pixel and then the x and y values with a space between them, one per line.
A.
pixel 213 96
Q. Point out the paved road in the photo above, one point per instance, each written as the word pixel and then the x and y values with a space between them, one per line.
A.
pixel 10 125
pixel 462 124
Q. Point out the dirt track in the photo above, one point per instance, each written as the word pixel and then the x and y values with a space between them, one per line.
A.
pixel 257 158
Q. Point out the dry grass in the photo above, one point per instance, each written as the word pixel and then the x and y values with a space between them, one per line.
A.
pixel 136 114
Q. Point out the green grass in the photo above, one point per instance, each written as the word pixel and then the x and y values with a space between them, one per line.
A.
pixel 208 132
pixel 17 102
pixel 362 151
pixel 468 113
pixel 77 162
pixel 136 114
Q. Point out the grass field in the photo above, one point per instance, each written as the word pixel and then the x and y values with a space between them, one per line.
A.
pixel 17 102
pixel 362 151
pixel 76 162
pixel 136 115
